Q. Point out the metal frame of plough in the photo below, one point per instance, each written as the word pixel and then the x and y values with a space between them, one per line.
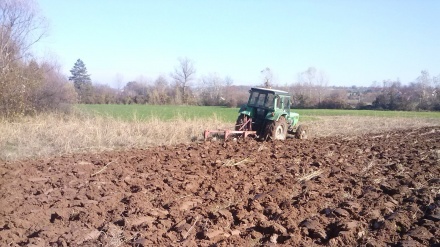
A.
pixel 244 130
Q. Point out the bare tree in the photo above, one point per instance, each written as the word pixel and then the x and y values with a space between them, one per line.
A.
pixel 267 77
pixel 55 92
pixel 229 81
pixel 119 81
pixel 436 93
pixel 212 89
pixel 20 27
pixel 424 82
pixel 314 82
pixel 308 77
pixel 104 94
pixel 230 100
pixel 159 91
pixel 183 75
pixel 321 84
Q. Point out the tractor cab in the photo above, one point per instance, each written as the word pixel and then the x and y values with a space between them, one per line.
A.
pixel 264 106
pixel 269 99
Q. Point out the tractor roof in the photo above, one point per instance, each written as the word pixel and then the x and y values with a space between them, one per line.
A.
pixel 270 90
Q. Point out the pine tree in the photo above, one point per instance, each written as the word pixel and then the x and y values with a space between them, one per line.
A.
pixel 81 81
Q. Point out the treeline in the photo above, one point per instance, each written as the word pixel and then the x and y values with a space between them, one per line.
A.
pixel 421 94
pixel 29 86
pixel 163 92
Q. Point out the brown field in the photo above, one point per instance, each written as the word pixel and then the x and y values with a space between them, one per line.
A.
pixel 355 182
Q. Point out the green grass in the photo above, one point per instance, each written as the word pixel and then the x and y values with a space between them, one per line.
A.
pixel 366 113
pixel 164 112
pixel 168 112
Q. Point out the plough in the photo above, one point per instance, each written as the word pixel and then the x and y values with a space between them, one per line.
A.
pixel 242 129
pixel 227 133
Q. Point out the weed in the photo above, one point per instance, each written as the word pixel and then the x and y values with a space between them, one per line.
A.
pixel 57 134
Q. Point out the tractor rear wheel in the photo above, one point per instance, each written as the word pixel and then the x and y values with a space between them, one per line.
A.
pixel 301 132
pixel 277 130
pixel 242 123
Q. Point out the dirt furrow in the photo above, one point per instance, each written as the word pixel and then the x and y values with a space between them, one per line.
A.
pixel 336 191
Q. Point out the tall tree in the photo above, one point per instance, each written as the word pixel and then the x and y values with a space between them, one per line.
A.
pixel 212 89
pixel 79 74
pixel 159 92
pixel 267 77
pixel 183 75
pixel 81 81
pixel 314 82
pixel 21 26
pixel 424 82
pixel 436 94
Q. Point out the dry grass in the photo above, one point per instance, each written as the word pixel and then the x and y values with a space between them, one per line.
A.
pixel 358 125
pixel 310 176
pixel 54 134
pixel 114 237
pixel 232 162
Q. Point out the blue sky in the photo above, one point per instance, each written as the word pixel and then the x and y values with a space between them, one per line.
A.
pixel 353 42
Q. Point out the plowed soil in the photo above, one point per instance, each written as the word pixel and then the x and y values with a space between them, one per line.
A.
pixel 381 190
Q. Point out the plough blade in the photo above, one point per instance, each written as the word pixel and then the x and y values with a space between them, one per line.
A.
pixel 227 133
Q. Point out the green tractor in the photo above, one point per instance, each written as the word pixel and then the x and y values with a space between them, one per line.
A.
pixel 267 113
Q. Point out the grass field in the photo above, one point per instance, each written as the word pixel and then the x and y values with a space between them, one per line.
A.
pixel 144 112
pixel 165 112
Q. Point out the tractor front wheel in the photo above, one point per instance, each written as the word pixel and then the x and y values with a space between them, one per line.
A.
pixel 301 132
pixel 243 123
pixel 277 130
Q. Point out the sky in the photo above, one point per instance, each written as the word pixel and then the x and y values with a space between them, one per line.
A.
pixel 350 42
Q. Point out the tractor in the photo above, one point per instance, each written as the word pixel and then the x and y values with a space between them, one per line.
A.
pixel 266 116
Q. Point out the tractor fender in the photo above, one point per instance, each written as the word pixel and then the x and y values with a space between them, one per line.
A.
pixel 291 118
pixel 246 111
pixel 274 116
pixel 294 117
